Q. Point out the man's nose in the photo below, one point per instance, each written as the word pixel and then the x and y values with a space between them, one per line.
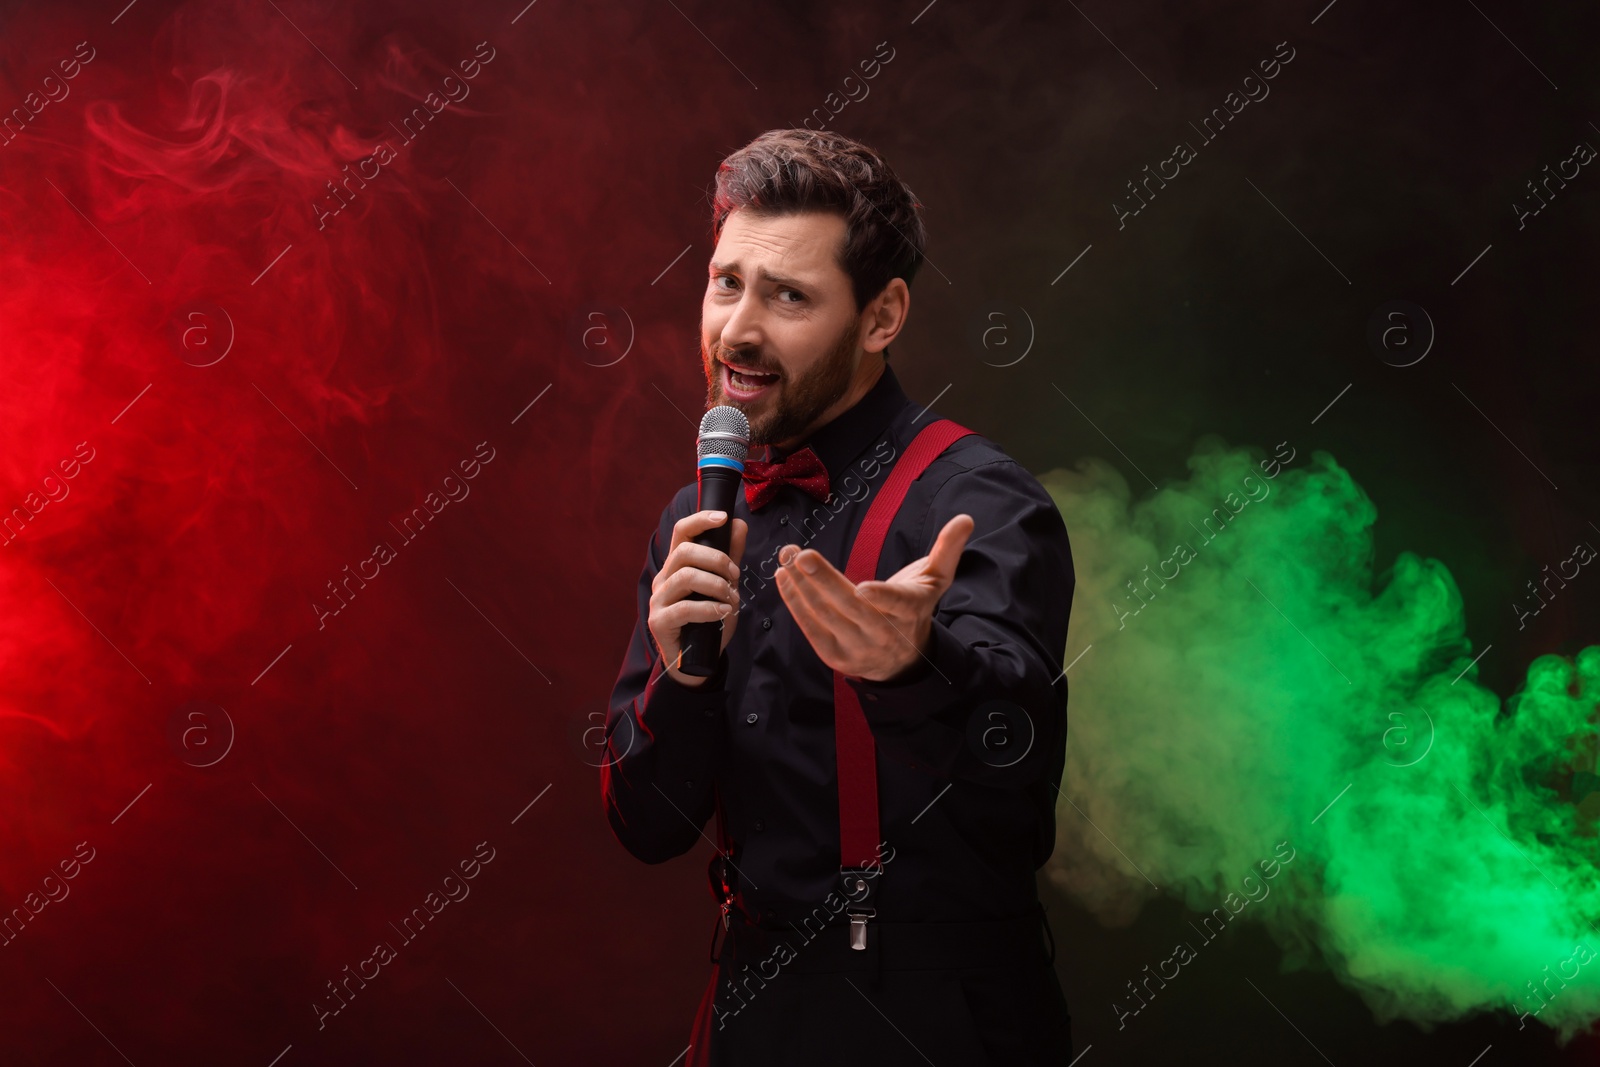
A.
pixel 743 328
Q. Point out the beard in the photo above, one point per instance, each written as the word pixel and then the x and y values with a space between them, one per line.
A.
pixel 789 407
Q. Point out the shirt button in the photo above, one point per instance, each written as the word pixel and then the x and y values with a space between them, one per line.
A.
pixel 783 520
pixel 766 624
pixel 758 825
pixel 751 718
pixel 688 785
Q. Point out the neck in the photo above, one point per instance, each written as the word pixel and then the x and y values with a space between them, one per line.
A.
pixel 868 371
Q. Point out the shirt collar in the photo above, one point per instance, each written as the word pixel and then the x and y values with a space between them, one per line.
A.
pixel 839 442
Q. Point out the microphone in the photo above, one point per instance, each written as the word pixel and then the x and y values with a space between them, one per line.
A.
pixel 723 444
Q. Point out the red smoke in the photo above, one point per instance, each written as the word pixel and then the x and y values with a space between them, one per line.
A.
pixel 276 278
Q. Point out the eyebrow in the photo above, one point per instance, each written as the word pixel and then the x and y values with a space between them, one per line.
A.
pixel 766 275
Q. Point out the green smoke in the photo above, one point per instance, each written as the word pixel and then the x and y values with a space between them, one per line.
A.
pixel 1248 671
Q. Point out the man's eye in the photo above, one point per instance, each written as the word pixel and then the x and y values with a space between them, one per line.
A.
pixel 715 282
pixel 799 296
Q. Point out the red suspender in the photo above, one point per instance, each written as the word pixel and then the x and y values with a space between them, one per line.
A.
pixel 855 751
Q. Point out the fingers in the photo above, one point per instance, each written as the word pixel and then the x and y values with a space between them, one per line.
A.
pixel 696 583
pixel 824 603
pixel 947 548
pixel 668 618
pixel 831 594
pixel 937 570
pixel 808 603
pixel 686 529
pixel 686 580
pixel 692 526
pixel 699 557
pixel 672 618
pixel 685 553
pixel 824 641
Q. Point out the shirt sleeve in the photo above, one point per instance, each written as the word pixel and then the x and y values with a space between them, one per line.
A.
pixel 987 702
pixel 664 741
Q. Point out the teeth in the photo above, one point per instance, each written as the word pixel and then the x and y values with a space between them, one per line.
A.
pixel 751 380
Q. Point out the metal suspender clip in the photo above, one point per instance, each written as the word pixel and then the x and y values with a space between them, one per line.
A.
pixel 720 871
pixel 860 888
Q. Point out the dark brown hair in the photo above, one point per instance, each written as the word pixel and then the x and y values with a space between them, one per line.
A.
pixel 783 172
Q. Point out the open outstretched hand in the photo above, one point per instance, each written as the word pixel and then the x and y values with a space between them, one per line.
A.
pixel 874 629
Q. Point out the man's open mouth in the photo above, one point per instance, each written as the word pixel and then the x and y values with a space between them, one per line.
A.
pixel 746 385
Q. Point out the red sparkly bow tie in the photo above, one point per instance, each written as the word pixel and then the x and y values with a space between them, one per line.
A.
pixel 804 469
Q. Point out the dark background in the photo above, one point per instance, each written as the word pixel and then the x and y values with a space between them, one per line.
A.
pixel 374 753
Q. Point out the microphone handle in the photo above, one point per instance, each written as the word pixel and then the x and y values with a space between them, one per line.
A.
pixel 702 641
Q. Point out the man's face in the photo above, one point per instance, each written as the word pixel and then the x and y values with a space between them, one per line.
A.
pixel 779 305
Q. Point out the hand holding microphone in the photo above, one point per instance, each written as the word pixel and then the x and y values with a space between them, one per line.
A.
pixel 694 600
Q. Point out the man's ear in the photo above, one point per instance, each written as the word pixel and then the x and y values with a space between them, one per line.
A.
pixel 886 316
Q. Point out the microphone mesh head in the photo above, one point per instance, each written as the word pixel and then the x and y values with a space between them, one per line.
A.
pixel 724 431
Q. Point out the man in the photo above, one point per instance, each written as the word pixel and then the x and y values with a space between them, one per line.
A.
pixel 954 657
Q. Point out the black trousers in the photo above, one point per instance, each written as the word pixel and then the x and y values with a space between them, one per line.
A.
pixel 998 1002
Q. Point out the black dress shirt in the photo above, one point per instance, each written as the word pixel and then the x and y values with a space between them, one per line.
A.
pixel 971 743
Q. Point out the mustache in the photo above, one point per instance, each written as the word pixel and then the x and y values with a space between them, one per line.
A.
pixel 754 368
